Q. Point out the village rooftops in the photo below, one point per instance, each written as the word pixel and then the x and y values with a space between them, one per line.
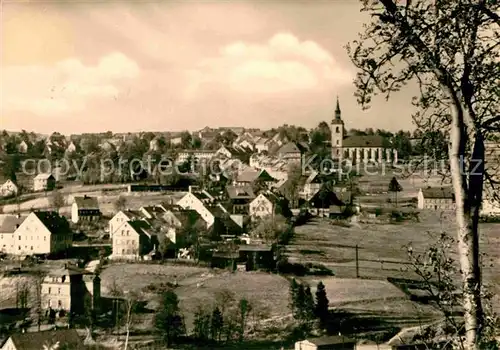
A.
pixel 141 227
pixel 66 338
pixel 438 192
pixel 86 202
pixel 292 147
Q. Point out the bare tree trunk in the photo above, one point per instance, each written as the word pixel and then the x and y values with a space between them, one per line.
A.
pixel 467 233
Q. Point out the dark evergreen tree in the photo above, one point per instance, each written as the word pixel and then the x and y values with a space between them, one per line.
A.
pixel 294 290
pixel 217 324
pixel 321 308
pixel 168 320
pixel 395 187
pixel 308 306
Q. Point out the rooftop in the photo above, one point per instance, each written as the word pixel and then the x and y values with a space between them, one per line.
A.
pixel 87 202
pixel 67 338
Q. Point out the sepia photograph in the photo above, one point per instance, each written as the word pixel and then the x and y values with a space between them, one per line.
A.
pixel 250 174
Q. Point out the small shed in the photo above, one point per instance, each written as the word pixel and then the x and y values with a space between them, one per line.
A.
pixel 257 256
pixel 326 343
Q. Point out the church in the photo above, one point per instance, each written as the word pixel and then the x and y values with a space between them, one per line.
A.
pixel 358 148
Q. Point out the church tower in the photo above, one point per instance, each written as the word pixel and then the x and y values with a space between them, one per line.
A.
pixel 337 131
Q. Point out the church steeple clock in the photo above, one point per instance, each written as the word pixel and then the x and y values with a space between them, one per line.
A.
pixel 337 131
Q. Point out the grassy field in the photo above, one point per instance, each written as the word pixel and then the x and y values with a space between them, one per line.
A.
pixel 382 251
pixel 198 286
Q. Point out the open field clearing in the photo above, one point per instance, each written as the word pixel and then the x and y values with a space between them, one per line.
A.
pixel 382 251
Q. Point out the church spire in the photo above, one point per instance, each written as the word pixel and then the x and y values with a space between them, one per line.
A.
pixel 337 109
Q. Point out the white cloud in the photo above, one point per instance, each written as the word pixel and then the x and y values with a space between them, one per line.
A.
pixel 64 87
pixel 282 64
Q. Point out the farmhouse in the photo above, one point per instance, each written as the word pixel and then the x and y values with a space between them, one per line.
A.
pixel 292 152
pixel 44 182
pixel 42 232
pixel 199 201
pixel 239 198
pixel 85 209
pixel 66 338
pixel 133 240
pixel 9 188
pixel 436 198
pixel 8 225
pixel 71 289
pixel 326 343
pixel 121 217
pixel 263 205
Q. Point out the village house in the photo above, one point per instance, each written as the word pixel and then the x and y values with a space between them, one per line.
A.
pixel 264 205
pixel 42 232
pixel 153 211
pixel 8 188
pixel 85 209
pixel 257 256
pixel 133 240
pixel 195 155
pixel 65 338
pixel 326 343
pixel 311 186
pixel 121 217
pixel 250 177
pixel 8 225
pixel 44 182
pixel 177 220
pixel 292 152
pixel 436 198
pixel 199 201
pixel 71 148
pixel 71 290
pixel 239 198
pixel 23 147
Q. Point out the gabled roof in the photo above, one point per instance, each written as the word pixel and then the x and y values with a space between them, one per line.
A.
pixel 9 223
pixel 154 210
pixel 292 147
pixel 133 214
pixel 44 176
pixel 54 222
pixel 87 203
pixel 240 192
pixel 67 338
pixel 364 141
pixel 141 227
pixel 438 192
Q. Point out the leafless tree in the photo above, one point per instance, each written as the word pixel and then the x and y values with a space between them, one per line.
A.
pixel 451 50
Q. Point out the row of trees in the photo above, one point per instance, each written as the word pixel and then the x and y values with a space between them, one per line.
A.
pixel 305 308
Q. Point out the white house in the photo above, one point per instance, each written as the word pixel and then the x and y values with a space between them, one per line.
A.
pixel 133 240
pixel 9 188
pixel 44 182
pixel 121 217
pixel 85 209
pixel 23 147
pixel 263 205
pixel 197 201
pixel 436 198
pixel 42 232
pixel 8 225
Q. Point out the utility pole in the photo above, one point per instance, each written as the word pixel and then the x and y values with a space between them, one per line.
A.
pixel 357 262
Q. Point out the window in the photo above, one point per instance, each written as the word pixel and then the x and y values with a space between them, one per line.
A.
pixel 337 129
pixel 58 290
pixel 19 237
pixel 44 238
pixel 50 290
pixel 337 142
pixel 59 303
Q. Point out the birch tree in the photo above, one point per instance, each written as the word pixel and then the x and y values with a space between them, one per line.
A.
pixel 451 50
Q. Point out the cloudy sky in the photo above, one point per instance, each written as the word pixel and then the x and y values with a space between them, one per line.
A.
pixel 175 65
